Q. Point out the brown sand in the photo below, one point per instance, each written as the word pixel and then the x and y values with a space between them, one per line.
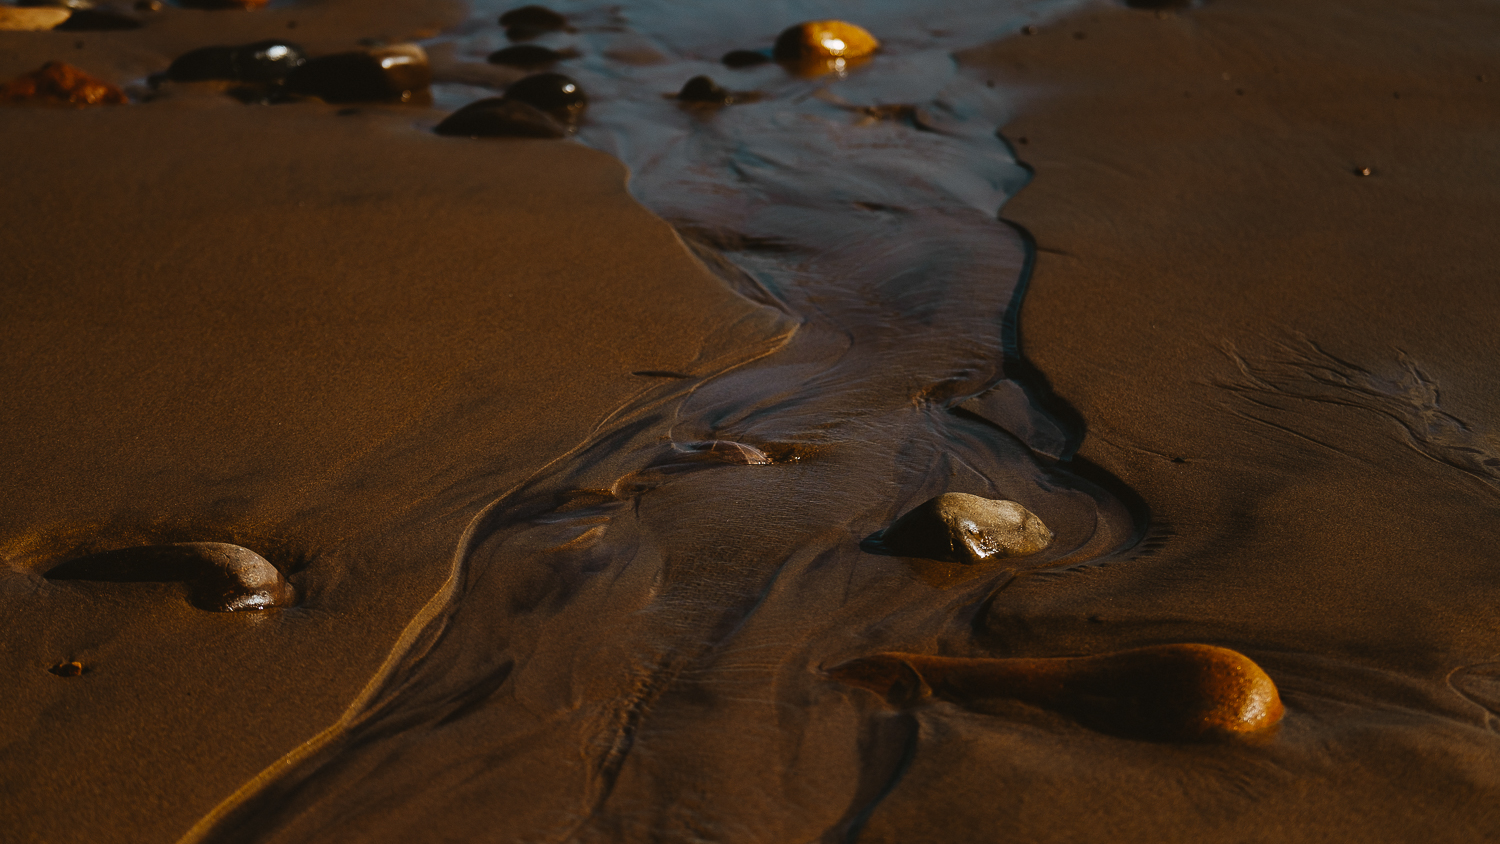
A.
pixel 1196 211
pixel 307 334
pixel 312 358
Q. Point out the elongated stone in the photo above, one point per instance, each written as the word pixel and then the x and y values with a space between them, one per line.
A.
pixel 1183 692
pixel 962 528
pixel 222 577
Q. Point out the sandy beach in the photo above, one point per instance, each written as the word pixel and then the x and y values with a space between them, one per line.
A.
pixel 581 458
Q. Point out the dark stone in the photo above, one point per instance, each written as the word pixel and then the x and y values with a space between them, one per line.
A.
pixel 390 74
pixel 263 61
pixel 553 93
pixel 528 22
pixel 498 117
pixel 97 20
pixel 744 58
pixel 538 17
pixel 701 89
pixel 525 55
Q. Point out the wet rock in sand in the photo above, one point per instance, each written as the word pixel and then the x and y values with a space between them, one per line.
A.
pixel 59 83
pixel 97 20
pixel 526 55
pixel 527 22
pixel 744 58
pixel 498 117
pixel 396 73
pixel 817 40
pixel 67 669
pixel 553 93
pixel 223 577
pixel 38 19
pixel 1182 692
pixel 263 61
pixel 962 528
pixel 701 89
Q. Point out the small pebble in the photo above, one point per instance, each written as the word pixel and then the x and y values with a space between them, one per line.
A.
pixel 553 93
pixel 56 82
pixel 263 61
pixel 381 74
pixel 148 5
pixel 497 117
pixel 961 528
pixel 744 58
pixel 67 669
pixel 701 89
pixel 1363 171
pixel 526 55
pixel 1028 30
pixel 831 39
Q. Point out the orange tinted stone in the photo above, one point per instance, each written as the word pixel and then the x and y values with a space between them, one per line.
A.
pixel 56 82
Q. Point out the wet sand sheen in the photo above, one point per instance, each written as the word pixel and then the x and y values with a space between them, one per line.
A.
pixel 634 645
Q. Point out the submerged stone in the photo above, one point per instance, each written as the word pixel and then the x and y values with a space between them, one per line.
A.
pixel 962 528
pixel 56 82
pixel 744 58
pixel 527 22
pixel 263 61
pixel 1182 692
pixel 498 117
pixel 380 74
pixel 526 55
pixel 553 93
pixel 816 40
pixel 701 89
pixel 38 19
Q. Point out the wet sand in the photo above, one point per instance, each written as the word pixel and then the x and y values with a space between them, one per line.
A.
pixel 1293 365
pixel 328 338
pixel 545 598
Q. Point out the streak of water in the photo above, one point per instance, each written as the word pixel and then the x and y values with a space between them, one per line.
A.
pixel 633 644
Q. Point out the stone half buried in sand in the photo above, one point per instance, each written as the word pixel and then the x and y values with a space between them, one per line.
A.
pixel 961 528
pixel 397 73
pixel 57 83
pixel 821 41
pixel 38 19
pixel 497 117
pixel 1182 692
pixel 222 577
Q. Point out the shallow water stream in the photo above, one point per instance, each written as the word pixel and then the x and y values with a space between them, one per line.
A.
pixel 632 644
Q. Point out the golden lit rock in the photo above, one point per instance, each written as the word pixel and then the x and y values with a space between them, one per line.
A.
pixel 818 40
